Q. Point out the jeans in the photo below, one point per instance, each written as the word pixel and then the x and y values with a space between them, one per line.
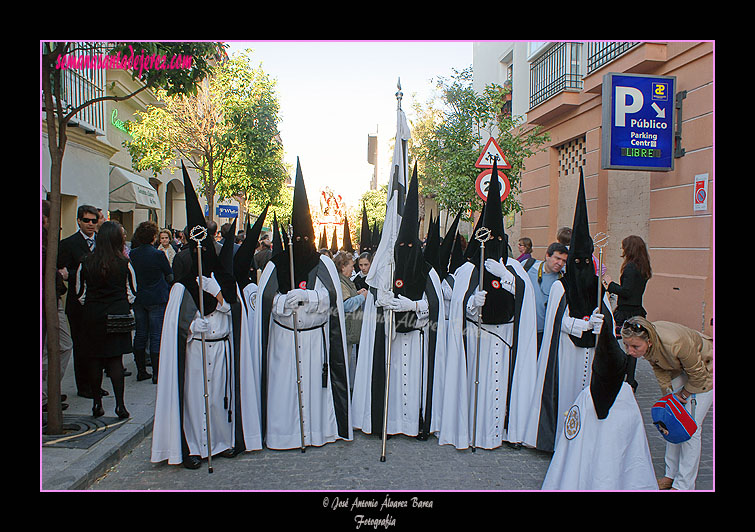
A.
pixel 149 326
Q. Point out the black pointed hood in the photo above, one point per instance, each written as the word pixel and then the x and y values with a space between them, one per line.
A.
pixel 580 280
pixel 224 271
pixel 334 241
pixel 457 255
pixel 242 261
pixel 411 270
pixel 432 244
pixel 347 246
pixel 608 369
pixel 365 236
pixel 305 254
pixel 499 302
pixel 196 222
pixel 277 240
pixel 323 240
pixel 446 247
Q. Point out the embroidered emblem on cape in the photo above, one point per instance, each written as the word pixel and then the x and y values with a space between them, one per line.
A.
pixel 495 284
pixel 303 285
pixel 253 301
pixel 572 424
pixel 399 283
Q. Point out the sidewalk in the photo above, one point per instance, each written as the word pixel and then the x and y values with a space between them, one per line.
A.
pixel 89 446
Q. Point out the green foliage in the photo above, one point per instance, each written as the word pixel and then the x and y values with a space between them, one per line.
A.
pixel 156 73
pixel 450 139
pixel 227 130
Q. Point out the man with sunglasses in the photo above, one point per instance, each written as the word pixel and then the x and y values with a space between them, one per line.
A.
pixel 71 253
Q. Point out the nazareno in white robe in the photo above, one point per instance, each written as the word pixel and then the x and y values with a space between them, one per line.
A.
pixel 563 371
pixel 602 454
pixel 416 371
pixel 321 328
pixel 180 406
pixel 498 376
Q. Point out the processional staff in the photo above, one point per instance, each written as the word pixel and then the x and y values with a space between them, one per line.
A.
pixel 482 235
pixel 296 338
pixel 198 234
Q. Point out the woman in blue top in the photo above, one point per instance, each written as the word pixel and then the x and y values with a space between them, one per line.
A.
pixel 153 273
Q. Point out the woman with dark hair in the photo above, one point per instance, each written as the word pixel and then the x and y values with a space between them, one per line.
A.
pixel 153 273
pixel 107 288
pixel 635 273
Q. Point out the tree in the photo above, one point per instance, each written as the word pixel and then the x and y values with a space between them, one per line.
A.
pixel 449 138
pixel 228 131
pixel 55 58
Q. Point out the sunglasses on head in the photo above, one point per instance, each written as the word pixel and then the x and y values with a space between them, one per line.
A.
pixel 89 220
pixel 634 327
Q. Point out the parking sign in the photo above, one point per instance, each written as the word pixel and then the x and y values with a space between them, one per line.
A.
pixel 638 122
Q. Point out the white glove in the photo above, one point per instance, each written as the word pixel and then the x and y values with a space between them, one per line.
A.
pixel 402 304
pixel 199 325
pixel 478 299
pixel 295 298
pixel 596 321
pixel 500 271
pixel 210 285
pixel 575 326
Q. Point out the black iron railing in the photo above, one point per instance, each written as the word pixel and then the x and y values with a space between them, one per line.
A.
pixel 601 53
pixel 558 69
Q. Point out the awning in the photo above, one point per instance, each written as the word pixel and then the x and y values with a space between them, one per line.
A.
pixel 129 191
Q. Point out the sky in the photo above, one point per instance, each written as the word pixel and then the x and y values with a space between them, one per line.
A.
pixel 333 94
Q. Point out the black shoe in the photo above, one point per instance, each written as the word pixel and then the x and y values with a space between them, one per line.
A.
pixel 126 373
pixel 98 411
pixel 143 375
pixel 229 453
pixel 192 462
pixel 121 412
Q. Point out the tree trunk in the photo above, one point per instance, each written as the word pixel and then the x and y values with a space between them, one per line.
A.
pixel 56 139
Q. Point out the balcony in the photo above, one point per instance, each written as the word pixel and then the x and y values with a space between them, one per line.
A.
pixel 555 81
pixel 82 83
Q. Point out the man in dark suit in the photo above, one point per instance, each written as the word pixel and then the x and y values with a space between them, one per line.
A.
pixel 71 252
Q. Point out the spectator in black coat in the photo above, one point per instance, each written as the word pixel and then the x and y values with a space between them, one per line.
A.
pixel 635 273
pixel 106 287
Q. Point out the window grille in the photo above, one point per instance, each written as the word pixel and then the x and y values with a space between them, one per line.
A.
pixel 557 70
pixel 602 53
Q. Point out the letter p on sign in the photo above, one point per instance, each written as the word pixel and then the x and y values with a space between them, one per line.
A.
pixel 621 106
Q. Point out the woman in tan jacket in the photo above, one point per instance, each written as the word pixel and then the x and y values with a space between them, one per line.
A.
pixel 682 360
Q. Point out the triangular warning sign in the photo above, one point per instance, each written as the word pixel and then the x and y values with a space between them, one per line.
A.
pixel 489 154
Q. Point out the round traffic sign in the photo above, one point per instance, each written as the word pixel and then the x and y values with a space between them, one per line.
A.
pixel 483 182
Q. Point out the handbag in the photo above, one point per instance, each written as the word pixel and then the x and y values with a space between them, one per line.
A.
pixel 672 420
pixel 120 323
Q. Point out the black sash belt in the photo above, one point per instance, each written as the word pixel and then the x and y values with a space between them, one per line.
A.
pixel 324 346
pixel 228 373
pixel 491 332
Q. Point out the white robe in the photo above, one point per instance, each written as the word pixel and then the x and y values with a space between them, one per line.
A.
pixel 602 454
pixel 574 368
pixel 166 439
pixel 283 429
pixel 458 425
pixel 407 387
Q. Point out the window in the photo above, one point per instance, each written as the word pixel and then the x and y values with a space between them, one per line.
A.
pixel 556 70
